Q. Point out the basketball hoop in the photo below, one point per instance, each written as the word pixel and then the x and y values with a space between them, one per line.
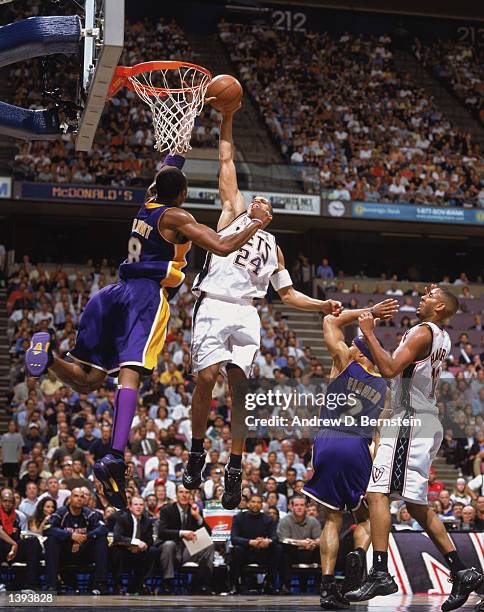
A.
pixel 174 92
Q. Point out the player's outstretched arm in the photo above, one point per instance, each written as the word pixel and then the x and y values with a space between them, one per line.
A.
pixel 233 203
pixel 183 222
pixel 383 310
pixel 282 283
pixel 416 347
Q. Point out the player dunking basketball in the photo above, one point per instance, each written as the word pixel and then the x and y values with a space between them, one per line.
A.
pixel 405 454
pixel 341 453
pixel 226 325
pixel 123 327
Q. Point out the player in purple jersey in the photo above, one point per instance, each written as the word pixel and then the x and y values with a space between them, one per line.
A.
pixel 123 327
pixel 421 348
pixel 341 454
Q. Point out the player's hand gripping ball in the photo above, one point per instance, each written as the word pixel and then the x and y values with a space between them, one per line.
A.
pixel 224 93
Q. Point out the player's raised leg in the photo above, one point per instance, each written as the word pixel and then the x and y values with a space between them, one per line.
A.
pixel 39 358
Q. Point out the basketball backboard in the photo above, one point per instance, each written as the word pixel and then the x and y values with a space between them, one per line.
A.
pixel 103 46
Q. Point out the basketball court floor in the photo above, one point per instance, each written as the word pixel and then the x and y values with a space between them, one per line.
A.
pixel 309 603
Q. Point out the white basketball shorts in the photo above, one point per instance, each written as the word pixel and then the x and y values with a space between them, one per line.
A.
pixel 224 332
pixel 404 456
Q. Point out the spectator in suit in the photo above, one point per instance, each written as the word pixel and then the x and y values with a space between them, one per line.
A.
pixel 133 546
pixel 304 533
pixel 254 540
pixel 32 475
pixel 141 445
pixel 287 487
pixel 178 522
pixel 77 535
pixel 13 549
pixel 101 446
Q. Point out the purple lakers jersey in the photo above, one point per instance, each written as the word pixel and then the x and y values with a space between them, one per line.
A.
pixel 150 255
pixel 358 397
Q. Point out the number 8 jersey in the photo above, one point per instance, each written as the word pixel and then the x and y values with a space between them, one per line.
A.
pixel 150 255
pixel 242 275
pixel 415 386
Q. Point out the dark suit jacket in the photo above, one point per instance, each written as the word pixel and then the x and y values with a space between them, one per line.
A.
pixel 123 529
pixel 137 449
pixel 169 524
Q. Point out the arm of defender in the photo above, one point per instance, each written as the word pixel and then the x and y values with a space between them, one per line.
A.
pixel 182 221
pixel 413 349
pixel 282 283
pixel 233 203
pixel 332 325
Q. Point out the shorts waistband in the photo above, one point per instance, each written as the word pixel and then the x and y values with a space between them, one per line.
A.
pixel 227 298
pixel 333 432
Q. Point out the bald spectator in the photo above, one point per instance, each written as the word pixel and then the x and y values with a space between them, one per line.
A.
pixel 76 535
pixel 55 492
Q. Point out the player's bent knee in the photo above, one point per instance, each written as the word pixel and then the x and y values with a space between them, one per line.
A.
pixel 376 498
pixel 207 377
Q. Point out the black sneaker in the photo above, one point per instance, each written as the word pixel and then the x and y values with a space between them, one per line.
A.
pixel 463 583
pixel 232 483
pixel 331 598
pixel 480 606
pixel 355 571
pixel 376 583
pixel 110 471
pixel 192 474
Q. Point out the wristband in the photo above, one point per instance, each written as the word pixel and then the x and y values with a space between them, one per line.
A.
pixel 174 160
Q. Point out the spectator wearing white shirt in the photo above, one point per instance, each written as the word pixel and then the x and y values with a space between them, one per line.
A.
pixel 29 504
pixel 394 290
pixel 268 366
pixel 55 492
pixel 407 305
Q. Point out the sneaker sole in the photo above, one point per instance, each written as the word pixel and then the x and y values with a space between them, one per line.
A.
pixel 229 504
pixel 191 485
pixel 333 605
pixel 110 486
pixel 37 355
pixel 353 572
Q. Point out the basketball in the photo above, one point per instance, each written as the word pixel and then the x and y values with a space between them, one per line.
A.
pixel 227 92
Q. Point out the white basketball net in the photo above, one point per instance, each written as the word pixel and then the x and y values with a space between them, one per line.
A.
pixel 174 110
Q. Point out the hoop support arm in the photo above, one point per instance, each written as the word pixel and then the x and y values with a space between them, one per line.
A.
pixel 36 36
pixel 29 124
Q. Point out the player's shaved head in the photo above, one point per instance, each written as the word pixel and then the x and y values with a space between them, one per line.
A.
pixel 450 301
pixel 171 185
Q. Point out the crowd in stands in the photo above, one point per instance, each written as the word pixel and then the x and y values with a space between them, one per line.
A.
pixel 374 134
pixel 122 154
pixel 459 66
pixel 340 103
pixel 55 435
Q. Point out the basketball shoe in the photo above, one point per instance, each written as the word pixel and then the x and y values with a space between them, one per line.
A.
pixel 192 474
pixel 111 472
pixel 38 356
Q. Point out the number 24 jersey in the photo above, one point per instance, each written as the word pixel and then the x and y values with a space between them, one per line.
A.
pixel 244 274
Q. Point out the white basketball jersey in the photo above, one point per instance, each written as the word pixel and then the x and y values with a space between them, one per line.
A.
pixel 244 274
pixel 415 386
